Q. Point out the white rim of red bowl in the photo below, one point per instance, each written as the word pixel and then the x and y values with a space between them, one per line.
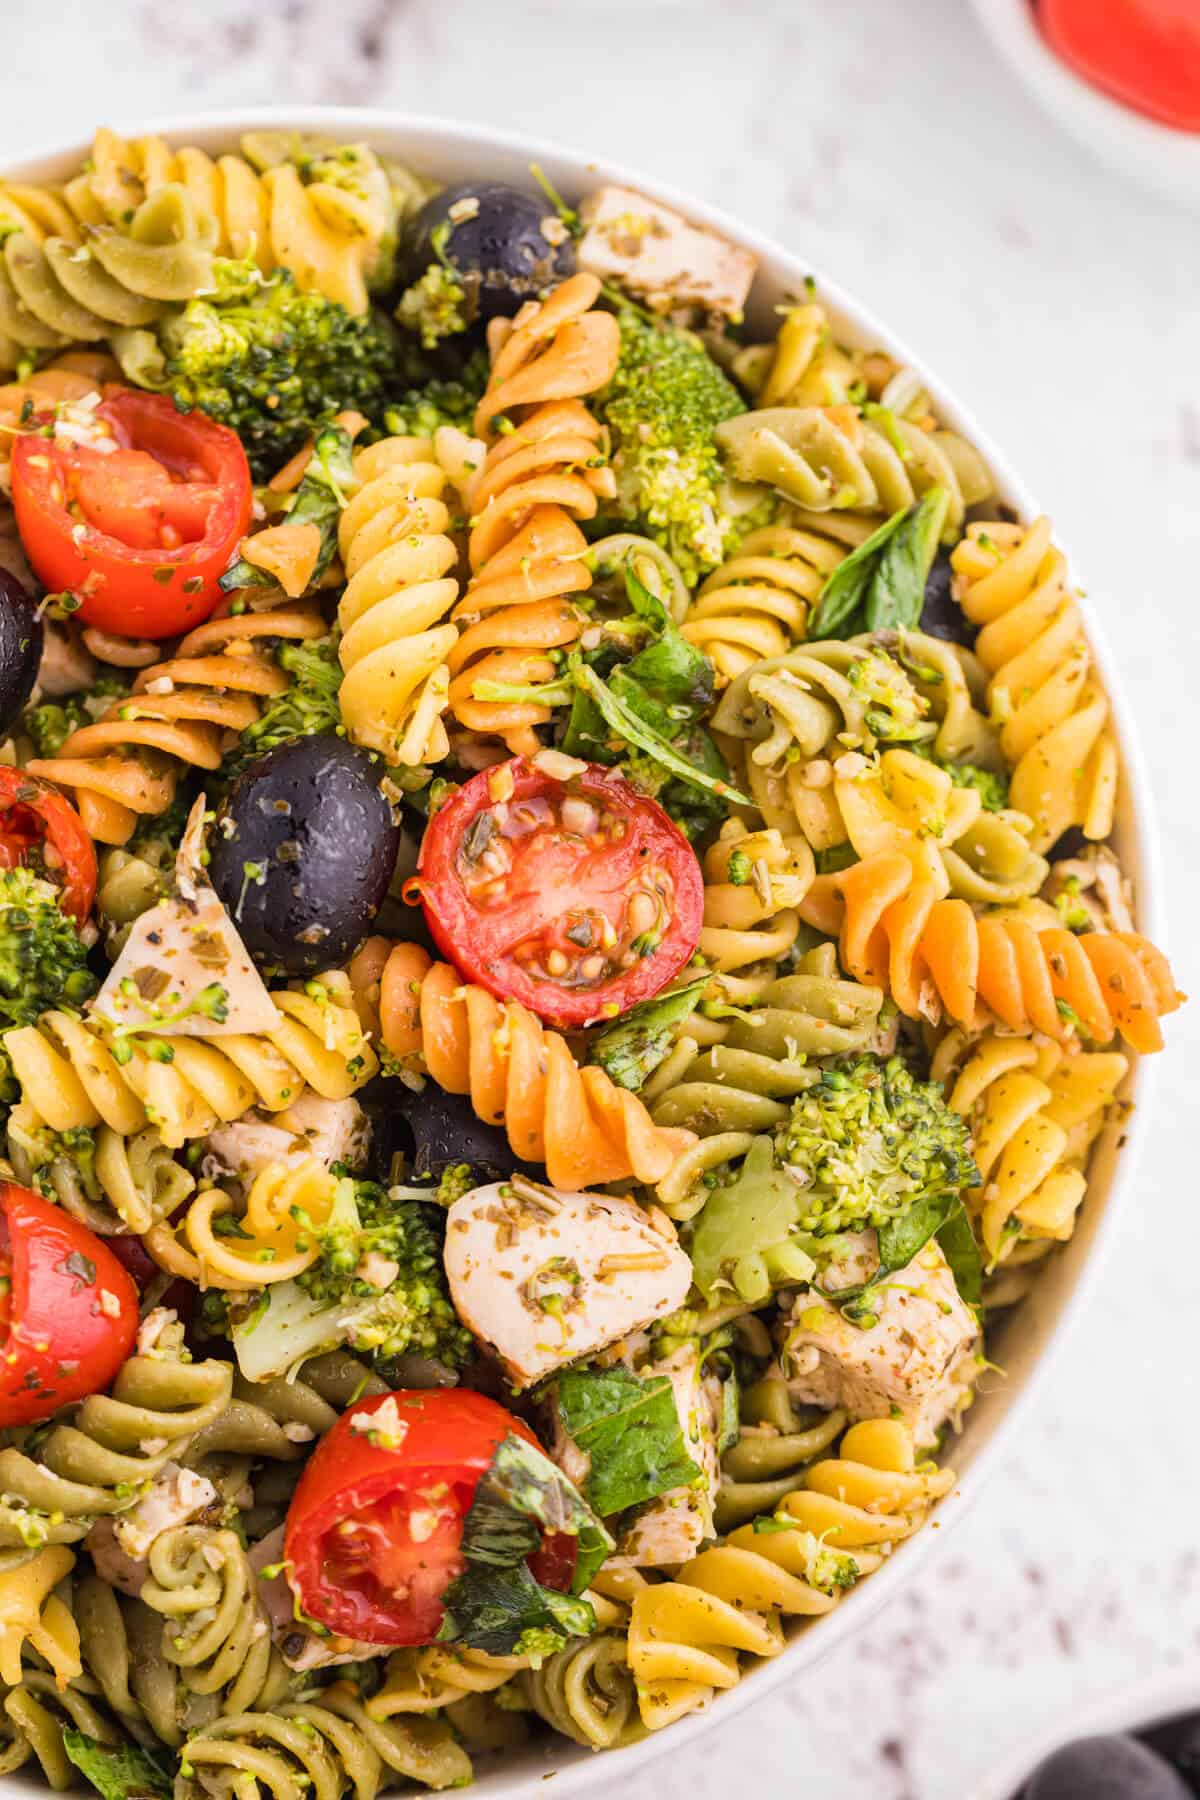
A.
pixel 215 128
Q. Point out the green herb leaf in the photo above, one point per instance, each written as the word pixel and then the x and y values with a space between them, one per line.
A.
pixel 631 1050
pixel 629 1427
pixel 626 724
pixel 843 593
pixel 501 1609
pixel 521 1497
pixel 117 1772
pixel 959 1247
pixel 897 591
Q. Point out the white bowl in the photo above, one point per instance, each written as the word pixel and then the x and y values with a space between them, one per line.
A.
pixel 1027 1344
pixel 1153 154
pixel 1137 1709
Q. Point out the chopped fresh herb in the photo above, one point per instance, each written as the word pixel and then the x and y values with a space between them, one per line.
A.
pixel 628 1426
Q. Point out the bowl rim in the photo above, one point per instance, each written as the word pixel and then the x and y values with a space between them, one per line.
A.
pixel 577 1770
pixel 1160 154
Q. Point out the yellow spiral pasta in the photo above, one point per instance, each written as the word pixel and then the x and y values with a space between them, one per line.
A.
pixel 756 605
pixel 181 714
pixel 1035 1112
pixel 424 1680
pixel 32 1613
pixel 525 549
pixel 754 881
pixel 69 1075
pixel 518 1074
pixel 400 587
pixel 686 1636
pixel 276 1240
pixel 1012 582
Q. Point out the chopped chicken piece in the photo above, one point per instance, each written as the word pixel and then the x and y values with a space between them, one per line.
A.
pixel 175 1496
pixel 917 1362
pixel 545 1276
pixel 653 251
pixel 332 1131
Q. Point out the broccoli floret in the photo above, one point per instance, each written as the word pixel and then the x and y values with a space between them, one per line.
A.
pixel 993 789
pixel 432 307
pixel 661 408
pixel 382 1259
pixel 275 364
pixel 43 959
pixel 440 401
pixel 869 1142
pixel 309 705
pixel 51 723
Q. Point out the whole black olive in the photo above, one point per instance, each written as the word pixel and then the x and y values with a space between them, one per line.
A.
pixel 493 236
pixel 20 648
pixel 436 1131
pixel 1071 843
pixel 941 615
pixel 1179 1741
pixel 302 852
pixel 1105 1768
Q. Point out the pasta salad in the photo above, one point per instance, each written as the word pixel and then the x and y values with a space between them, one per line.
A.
pixel 559 962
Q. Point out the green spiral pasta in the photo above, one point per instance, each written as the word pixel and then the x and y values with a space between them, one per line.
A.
pixel 315 1751
pixel 587 1692
pixel 214 1629
pixel 776 1441
pixel 100 1463
pixel 113 1183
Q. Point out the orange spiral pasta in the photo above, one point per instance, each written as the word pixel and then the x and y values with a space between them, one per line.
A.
pixel 517 1073
pixel 126 765
pixel 526 550
pixel 1012 582
pixel 935 958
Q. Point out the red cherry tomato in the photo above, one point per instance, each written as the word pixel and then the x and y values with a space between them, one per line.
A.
pixel 140 533
pixel 70 1312
pixel 1145 53
pixel 577 898
pixel 373 1533
pixel 40 829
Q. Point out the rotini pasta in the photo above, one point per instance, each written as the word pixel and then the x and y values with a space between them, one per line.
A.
pixel 526 551
pixel 756 605
pixel 126 766
pixel 1012 583
pixel 517 1073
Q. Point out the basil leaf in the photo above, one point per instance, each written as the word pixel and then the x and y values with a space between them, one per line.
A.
pixel 903 1238
pixel 630 1051
pixel 897 591
pixel 842 594
pixel 961 1251
pixel 622 720
pixel 117 1772
pixel 629 1427
pixel 521 1497
pixel 507 1612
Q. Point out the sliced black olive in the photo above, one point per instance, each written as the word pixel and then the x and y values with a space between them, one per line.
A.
pixel 302 852
pixel 1106 1768
pixel 941 615
pixel 1071 843
pixel 494 237
pixel 436 1131
pixel 20 648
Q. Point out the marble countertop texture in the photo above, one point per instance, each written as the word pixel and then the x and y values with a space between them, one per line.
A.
pixel 885 141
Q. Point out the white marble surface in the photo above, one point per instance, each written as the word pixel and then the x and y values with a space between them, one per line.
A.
pixel 881 137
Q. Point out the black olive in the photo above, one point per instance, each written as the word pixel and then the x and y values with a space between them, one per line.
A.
pixel 20 648
pixel 1105 1768
pixel 1071 843
pixel 302 852
pixel 497 246
pixel 436 1131
pixel 941 615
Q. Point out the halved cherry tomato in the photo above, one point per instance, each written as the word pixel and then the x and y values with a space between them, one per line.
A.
pixel 576 897
pixel 40 829
pixel 139 531
pixel 1145 53
pixel 70 1313
pixel 373 1531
